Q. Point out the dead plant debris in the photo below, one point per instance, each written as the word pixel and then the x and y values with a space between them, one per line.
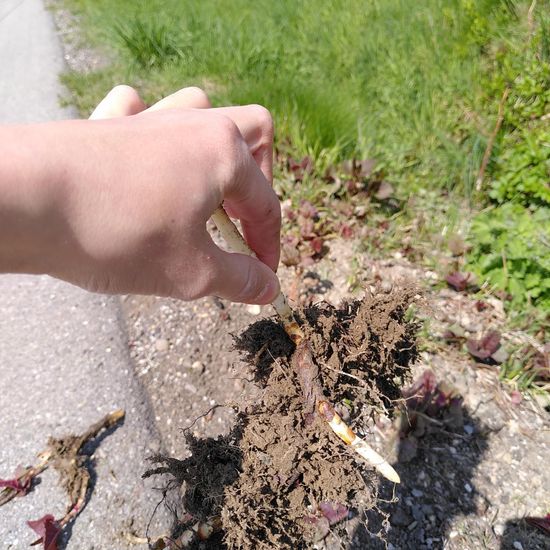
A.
pixel 68 457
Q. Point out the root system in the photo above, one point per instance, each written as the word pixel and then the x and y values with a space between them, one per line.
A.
pixel 282 479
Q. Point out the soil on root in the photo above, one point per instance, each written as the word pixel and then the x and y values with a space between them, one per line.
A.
pixel 282 479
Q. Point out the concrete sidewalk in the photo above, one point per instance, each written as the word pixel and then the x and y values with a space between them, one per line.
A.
pixel 63 355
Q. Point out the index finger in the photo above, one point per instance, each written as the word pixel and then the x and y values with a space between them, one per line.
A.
pixel 256 126
pixel 252 200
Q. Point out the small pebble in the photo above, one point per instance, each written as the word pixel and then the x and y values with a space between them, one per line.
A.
pixel 198 366
pixel 412 525
pixel 161 344
pixel 190 388
pixel 417 493
pixel 499 529
pixel 386 286
pixel 518 545
pixel 468 429
pixel 506 458
pixel 453 534
pixel 468 487
pixel 417 513
pixel 254 309
pixel 400 518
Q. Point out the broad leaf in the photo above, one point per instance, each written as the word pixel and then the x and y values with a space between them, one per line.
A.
pixel 485 347
pixel 459 281
pixel 48 530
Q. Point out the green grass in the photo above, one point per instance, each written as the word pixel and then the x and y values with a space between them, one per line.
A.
pixel 519 371
pixel 525 368
pixel 392 79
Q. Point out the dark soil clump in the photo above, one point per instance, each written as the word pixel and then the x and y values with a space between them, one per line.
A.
pixel 282 479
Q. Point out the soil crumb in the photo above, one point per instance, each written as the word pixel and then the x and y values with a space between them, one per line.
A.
pixel 281 479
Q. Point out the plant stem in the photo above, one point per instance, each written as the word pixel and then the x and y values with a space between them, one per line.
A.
pixel 236 242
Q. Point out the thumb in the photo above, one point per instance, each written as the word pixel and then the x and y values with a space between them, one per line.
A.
pixel 244 279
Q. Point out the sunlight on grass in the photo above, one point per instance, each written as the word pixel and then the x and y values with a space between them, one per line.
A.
pixel 380 78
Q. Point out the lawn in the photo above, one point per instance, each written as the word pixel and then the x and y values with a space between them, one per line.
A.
pixel 388 79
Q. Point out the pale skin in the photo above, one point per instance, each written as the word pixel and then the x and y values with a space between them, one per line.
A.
pixel 119 203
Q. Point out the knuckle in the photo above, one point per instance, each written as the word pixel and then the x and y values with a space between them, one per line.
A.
pixel 127 91
pixel 226 130
pixel 123 88
pixel 231 151
pixel 263 118
pixel 199 97
pixel 128 95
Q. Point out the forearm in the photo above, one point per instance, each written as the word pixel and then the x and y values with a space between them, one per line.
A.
pixel 31 181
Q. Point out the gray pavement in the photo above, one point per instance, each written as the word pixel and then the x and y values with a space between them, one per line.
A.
pixel 64 361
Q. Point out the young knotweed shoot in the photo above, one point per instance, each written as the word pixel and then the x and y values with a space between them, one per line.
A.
pixel 235 240
pixel 302 360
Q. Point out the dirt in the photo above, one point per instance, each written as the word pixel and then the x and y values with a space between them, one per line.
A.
pixel 78 55
pixel 468 486
pixel 69 457
pixel 288 461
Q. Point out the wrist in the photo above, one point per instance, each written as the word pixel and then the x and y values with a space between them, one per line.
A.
pixel 32 179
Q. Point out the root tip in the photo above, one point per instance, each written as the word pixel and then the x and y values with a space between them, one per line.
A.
pixel 391 475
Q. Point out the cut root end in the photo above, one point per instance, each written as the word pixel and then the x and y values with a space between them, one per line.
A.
pixel 236 242
pixel 361 447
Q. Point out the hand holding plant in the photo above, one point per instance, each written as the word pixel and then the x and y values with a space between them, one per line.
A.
pixel 120 205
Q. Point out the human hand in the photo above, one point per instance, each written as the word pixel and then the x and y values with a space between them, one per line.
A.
pixel 124 100
pixel 137 191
